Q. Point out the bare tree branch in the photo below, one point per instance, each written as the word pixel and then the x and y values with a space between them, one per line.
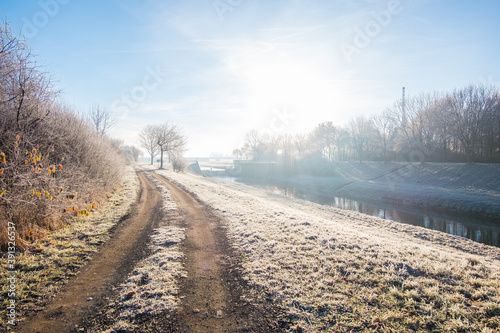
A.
pixel 101 119
pixel 148 141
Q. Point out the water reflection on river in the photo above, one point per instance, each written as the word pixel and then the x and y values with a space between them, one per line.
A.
pixel 486 231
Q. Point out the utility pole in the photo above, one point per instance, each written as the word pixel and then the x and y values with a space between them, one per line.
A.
pixel 403 106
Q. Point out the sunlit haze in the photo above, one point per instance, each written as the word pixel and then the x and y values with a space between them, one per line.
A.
pixel 221 68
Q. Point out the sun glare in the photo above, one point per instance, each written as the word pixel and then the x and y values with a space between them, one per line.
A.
pixel 299 86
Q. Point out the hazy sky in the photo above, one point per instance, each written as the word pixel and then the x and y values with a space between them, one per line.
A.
pixel 220 68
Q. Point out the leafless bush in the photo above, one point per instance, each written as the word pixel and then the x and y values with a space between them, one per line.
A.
pixel 131 154
pixel 178 162
pixel 53 164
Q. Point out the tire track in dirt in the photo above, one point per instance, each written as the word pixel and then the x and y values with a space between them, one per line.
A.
pixel 87 290
pixel 211 295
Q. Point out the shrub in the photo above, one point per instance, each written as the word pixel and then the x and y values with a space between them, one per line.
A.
pixel 53 164
pixel 178 162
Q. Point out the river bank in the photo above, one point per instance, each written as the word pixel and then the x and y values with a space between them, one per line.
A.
pixel 456 187
pixel 331 269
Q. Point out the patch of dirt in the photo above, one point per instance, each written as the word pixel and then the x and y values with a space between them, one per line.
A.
pixel 87 290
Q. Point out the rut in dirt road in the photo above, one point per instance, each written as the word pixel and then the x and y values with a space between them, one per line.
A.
pixel 211 295
pixel 108 267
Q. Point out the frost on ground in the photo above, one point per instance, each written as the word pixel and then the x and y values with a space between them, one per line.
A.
pixel 336 270
pixel 50 260
pixel 152 287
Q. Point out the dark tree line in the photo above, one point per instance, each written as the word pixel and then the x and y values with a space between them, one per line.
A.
pixel 458 126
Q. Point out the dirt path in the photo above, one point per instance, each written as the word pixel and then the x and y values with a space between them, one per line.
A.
pixel 109 266
pixel 205 299
pixel 211 295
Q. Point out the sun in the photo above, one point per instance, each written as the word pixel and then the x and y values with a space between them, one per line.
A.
pixel 286 81
pixel 298 85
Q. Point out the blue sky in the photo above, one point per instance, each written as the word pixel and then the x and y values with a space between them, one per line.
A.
pixel 219 68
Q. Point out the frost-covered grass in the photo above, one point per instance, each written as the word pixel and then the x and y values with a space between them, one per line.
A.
pixel 333 270
pixel 50 260
pixel 153 285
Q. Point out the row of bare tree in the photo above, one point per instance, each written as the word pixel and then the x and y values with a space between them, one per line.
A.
pixel 460 126
pixel 166 138
pixel 53 162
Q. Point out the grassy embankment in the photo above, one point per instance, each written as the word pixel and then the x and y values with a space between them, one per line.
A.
pixel 334 270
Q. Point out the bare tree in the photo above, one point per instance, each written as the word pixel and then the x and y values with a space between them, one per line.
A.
pixel 101 119
pixel 253 140
pixel 324 138
pixel 491 132
pixel 361 130
pixel 238 153
pixel 26 93
pixel 148 141
pixel 287 148
pixel 300 142
pixel 385 130
pixel 170 139
pixel 269 147
pixel 467 112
